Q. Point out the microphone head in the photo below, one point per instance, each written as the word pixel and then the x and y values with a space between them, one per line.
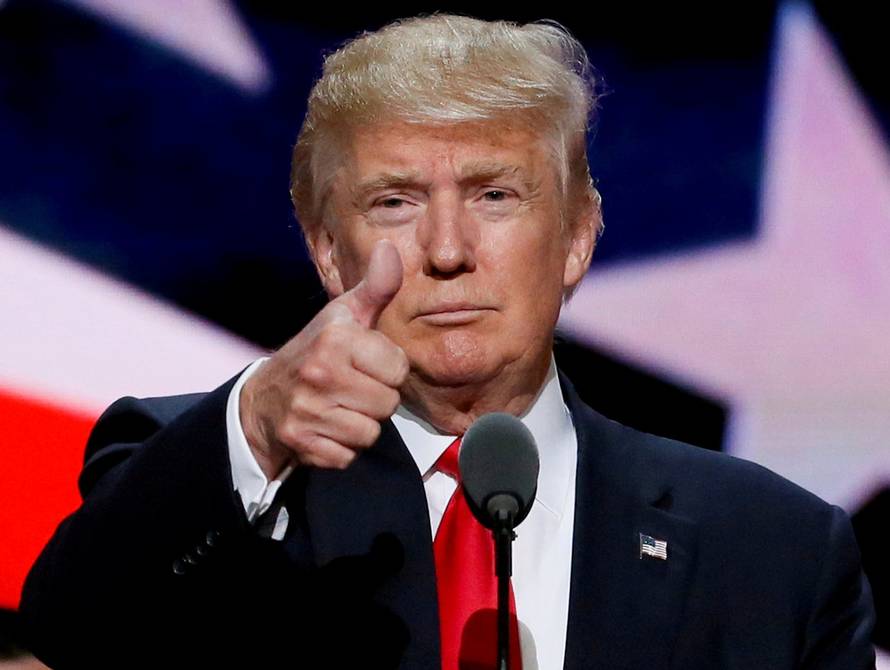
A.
pixel 498 465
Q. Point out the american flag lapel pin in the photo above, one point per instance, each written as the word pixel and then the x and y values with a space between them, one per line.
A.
pixel 653 548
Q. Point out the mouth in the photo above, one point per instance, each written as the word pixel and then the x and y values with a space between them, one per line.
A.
pixel 456 314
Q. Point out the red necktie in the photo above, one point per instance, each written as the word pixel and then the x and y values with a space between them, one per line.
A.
pixel 467 584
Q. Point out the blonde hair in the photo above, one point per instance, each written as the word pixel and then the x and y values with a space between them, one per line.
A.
pixel 441 70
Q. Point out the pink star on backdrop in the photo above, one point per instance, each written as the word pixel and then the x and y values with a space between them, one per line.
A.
pixel 209 33
pixel 791 329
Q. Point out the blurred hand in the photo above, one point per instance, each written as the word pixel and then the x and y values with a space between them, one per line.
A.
pixel 319 400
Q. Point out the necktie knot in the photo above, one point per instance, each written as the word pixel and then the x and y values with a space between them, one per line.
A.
pixel 448 462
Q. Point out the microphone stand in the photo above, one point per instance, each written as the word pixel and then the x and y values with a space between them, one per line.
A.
pixel 503 558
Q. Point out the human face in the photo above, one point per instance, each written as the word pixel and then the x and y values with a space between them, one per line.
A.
pixel 474 212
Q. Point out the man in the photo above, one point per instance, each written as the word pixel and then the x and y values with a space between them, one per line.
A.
pixel 289 517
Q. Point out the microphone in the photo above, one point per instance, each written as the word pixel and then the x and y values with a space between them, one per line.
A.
pixel 499 470
pixel 499 466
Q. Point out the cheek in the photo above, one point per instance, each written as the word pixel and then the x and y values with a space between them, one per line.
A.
pixel 352 250
pixel 543 287
pixel 352 270
pixel 535 262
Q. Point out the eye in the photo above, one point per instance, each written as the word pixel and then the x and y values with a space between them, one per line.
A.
pixel 393 209
pixel 495 195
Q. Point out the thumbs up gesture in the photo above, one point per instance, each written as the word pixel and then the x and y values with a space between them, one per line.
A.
pixel 319 400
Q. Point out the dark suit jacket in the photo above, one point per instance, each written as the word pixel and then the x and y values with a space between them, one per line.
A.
pixel 159 566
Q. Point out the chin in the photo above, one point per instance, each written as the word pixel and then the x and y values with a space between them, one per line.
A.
pixel 457 359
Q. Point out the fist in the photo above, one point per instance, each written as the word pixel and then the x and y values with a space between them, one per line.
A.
pixel 319 400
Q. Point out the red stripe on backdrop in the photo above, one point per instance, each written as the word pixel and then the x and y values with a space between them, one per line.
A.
pixel 40 459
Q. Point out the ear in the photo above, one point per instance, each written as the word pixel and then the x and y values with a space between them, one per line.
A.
pixel 323 249
pixel 583 229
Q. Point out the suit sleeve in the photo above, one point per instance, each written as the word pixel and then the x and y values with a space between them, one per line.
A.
pixel 838 633
pixel 149 555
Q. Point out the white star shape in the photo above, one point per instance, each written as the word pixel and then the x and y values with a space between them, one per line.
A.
pixel 792 328
pixel 209 33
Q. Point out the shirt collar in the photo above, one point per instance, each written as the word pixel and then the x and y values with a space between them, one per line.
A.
pixel 547 418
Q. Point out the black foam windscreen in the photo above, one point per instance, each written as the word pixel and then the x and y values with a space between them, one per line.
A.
pixel 498 456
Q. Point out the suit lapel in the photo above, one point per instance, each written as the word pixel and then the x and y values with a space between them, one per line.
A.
pixel 375 511
pixel 624 610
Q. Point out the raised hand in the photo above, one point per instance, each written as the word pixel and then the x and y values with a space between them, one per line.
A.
pixel 319 400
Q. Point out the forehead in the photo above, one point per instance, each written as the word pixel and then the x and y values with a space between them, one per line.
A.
pixel 459 151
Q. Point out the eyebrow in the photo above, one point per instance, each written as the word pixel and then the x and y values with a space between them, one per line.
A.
pixel 481 171
pixel 472 173
pixel 384 181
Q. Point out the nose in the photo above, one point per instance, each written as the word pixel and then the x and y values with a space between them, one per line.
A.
pixel 448 236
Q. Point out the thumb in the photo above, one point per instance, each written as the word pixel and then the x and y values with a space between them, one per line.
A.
pixel 383 278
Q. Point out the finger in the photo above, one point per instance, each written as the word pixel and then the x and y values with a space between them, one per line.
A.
pixel 349 428
pixel 369 397
pixel 381 359
pixel 381 283
pixel 326 453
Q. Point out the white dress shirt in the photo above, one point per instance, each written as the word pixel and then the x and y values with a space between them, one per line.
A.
pixel 543 547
